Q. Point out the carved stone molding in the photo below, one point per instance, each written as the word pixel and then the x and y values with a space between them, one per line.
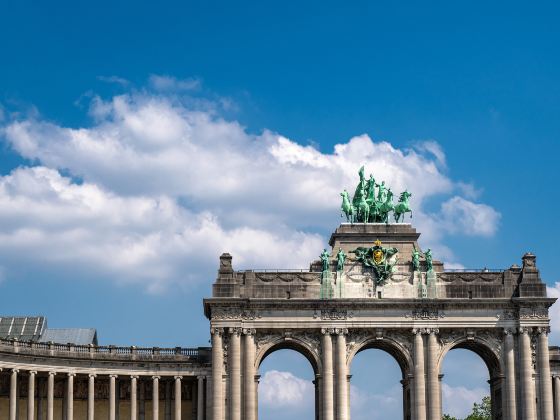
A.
pixel 533 312
pixel 508 315
pixel 356 337
pixel 234 313
pixel 333 314
pixel 263 338
pixel 235 331
pixel 249 331
pixel 425 314
pixel 217 331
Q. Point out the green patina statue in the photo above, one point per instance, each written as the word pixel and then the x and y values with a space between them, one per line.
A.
pixel 340 258
pixel 325 259
pixel 368 207
pixel 415 260
pixel 346 207
pixel 428 256
pixel 402 206
pixel 377 257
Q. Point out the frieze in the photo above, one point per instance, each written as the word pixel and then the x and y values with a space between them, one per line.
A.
pixel 333 314
pixel 234 313
pixel 533 312
pixel 425 314
pixel 508 315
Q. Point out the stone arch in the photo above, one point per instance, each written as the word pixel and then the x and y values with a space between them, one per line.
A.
pixel 297 344
pixel 485 349
pixel 488 349
pixel 399 352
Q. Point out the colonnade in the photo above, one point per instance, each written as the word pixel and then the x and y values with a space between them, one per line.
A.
pixel 135 412
pixel 234 394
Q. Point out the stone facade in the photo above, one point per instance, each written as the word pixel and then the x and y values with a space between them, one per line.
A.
pixel 415 316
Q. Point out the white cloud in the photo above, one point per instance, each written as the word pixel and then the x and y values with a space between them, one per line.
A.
pixel 434 148
pixel 45 218
pixel 458 401
pixel 169 83
pixel 194 172
pixel 374 405
pixel 114 79
pixel 459 215
pixel 284 389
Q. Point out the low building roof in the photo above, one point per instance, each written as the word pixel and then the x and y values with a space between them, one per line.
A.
pixel 82 336
pixel 24 328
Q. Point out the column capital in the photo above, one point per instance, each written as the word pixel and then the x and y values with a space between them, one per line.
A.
pixel 341 331
pixel 509 331
pixel 419 331
pixel 156 377
pixel 432 331
pixel 178 377
pixel 217 331
pixel 327 331
pixel 235 331
pixel 113 375
pixel 134 376
pixel 543 330
pixel 52 373
pixel 92 375
pixel 525 330
pixel 201 377
pixel 71 374
pixel 14 370
pixel 249 331
pixel 33 372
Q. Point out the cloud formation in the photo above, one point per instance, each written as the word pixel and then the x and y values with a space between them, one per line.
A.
pixel 283 389
pixel 155 184
pixel 458 401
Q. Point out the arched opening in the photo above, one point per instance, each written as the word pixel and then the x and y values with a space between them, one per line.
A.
pixel 469 372
pixel 379 387
pixel 287 386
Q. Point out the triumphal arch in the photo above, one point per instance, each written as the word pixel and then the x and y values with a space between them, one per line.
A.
pixel 376 288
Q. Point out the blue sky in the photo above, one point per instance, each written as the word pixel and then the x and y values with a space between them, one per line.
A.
pixel 141 140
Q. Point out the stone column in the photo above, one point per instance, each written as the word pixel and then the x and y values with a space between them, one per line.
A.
pixel 142 403
pixel 328 397
pixel 91 397
pixel 217 374
pixel 200 399
pixel 341 375
pixel 419 379
pixel 557 397
pixel 70 397
pixel 112 396
pixel 235 373
pixel 543 363
pixel 526 373
pixel 50 396
pixel 434 402
pixel 250 407
pixel 155 397
pixel 178 397
pixel 509 358
pixel 31 396
pixel 133 397
pixel 13 394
